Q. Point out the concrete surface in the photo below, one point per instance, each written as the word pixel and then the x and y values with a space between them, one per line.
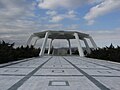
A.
pixel 60 73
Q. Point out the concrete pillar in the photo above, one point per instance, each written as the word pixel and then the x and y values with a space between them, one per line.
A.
pixel 35 42
pixel 79 44
pixel 93 43
pixel 87 46
pixel 50 45
pixel 69 47
pixel 44 44
pixel 29 40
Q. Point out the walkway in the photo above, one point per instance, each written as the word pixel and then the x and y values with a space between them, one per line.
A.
pixel 60 73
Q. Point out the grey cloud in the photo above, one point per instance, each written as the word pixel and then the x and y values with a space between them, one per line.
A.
pixel 66 4
pixel 106 37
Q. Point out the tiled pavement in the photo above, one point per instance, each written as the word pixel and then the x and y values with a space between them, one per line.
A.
pixel 60 73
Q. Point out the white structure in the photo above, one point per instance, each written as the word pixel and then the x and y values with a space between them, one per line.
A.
pixel 63 35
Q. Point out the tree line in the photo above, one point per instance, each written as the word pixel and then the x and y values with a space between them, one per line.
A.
pixel 110 53
pixel 9 53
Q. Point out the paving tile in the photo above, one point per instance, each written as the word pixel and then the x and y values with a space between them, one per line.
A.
pixel 23 71
pixel 111 82
pixel 42 83
pixel 58 72
pixel 102 72
pixel 7 81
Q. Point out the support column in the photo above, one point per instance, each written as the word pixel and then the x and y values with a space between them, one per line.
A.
pixel 50 45
pixel 44 44
pixel 87 46
pixel 93 43
pixel 79 45
pixel 69 47
pixel 35 42
pixel 29 40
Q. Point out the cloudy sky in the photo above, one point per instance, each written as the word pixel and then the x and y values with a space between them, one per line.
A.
pixel 99 18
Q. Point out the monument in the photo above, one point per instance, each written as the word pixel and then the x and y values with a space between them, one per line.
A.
pixel 50 34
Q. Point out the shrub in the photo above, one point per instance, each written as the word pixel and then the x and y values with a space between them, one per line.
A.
pixel 9 53
pixel 106 53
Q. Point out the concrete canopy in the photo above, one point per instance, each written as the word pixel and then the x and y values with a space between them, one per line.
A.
pixel 49 34
pixel 61 34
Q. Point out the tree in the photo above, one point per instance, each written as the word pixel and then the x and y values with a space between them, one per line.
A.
pixel 9 53
pixel 106 53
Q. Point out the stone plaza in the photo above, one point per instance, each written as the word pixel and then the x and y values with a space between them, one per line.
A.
pixel 60 73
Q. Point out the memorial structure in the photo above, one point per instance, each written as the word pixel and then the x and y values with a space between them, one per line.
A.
pixel 68 35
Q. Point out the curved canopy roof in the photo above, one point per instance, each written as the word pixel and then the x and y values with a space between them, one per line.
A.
pixel 61 34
